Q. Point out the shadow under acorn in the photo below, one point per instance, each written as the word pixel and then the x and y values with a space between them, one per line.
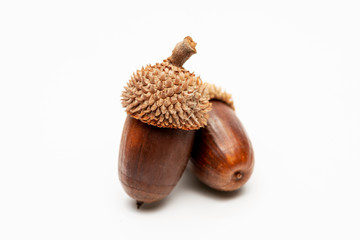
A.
pixel 188 182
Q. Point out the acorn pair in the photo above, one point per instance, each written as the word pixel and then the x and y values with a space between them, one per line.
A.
pixel 173 117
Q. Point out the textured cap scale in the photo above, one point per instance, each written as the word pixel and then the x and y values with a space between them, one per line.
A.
pixel 167 95
pixel 216 93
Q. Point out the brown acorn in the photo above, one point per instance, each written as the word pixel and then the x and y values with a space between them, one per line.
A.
pixel 222 156
pixel 165 104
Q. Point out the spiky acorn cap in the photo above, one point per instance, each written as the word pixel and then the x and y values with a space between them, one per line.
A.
pixel 216 93
pixel 167 95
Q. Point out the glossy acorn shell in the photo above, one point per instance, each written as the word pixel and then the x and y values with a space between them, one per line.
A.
pixel 222 156
pixel 152 159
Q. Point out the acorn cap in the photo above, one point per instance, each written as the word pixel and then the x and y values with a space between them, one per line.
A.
pixel 216 93
pixel 167 95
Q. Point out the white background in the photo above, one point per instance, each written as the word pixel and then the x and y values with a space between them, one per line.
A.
pixel 293 70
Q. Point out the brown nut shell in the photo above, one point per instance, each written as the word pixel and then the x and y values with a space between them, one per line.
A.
pixel 222 155
pixel 152 159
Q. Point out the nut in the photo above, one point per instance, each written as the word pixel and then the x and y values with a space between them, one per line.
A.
pixel 222 155
pixel 165 103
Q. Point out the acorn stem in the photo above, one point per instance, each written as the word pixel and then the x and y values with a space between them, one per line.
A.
pixel 182 52
pixel 139 204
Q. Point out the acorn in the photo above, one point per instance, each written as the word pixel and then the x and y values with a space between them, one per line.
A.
pixel 222 156
pixel 165 104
